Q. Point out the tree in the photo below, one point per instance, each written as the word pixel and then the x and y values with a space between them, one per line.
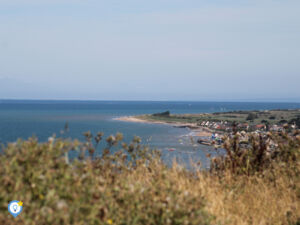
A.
pixel 251 116
pixel 166 113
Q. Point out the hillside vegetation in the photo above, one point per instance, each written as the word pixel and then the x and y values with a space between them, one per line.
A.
pixel 252 117
pixel 257 185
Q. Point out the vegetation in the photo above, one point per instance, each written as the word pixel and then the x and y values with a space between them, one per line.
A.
pixel 131 186
pixel 252 117
pixel 295 120
pixel 255 185
pixel 166 113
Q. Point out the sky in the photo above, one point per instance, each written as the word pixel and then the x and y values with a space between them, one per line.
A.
pixel 196 50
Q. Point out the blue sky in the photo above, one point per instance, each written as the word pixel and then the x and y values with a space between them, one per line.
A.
pixel 221 50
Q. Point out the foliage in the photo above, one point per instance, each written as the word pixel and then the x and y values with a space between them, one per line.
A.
pixel 131 186
pixel 258 183
pixel 267 169
pixel 252 116
pixel 296 121
pixel 283 121
pixel 262 153
pixel 255 117
pixel 164 114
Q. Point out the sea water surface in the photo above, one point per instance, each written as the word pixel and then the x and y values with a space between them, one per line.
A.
pixel 42 119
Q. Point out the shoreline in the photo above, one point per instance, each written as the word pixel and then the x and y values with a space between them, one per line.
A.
pixel 197 131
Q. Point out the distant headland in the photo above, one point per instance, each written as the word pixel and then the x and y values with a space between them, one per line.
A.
pixel 220 123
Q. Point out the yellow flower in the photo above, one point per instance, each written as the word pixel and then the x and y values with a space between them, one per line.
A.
pixel 20 203
pixel 109 221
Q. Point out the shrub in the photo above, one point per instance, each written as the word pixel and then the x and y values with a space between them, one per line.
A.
pixel 131 186
pixel 283 121
pixel 262 153
pixel 258 183
pixel 296 121
pixel 251 116
pixel 166 113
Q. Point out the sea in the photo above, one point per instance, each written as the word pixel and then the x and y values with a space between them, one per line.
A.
pixel 22 119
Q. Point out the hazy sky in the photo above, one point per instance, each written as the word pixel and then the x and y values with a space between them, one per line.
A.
pixel 150 50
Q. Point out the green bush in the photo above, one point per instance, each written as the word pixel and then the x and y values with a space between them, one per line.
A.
pixel 129 187
pixel 133 186
pixel 262 153
pixel 252 116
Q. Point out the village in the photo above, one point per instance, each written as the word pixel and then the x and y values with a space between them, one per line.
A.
pixel 210 128
pixel 243 130
pixel 225 126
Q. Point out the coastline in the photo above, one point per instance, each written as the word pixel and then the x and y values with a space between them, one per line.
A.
pixel 197 131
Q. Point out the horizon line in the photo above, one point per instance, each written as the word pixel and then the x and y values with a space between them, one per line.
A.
pixel 128 100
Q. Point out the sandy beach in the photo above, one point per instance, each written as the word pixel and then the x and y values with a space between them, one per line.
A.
pixel 137 120
pixel 197 130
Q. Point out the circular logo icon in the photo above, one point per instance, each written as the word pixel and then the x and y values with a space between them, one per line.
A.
pixel 15 208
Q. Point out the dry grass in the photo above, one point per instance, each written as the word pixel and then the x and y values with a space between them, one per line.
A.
pixel 133 186
pixel 246 200
pixel 251 201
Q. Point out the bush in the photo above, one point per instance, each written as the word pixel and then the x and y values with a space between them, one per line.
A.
pixel 131 186
pixel 296 121
pixel 251 116
pixel 166 113
pixel 257 183
pixel 262 153
pixel 283 121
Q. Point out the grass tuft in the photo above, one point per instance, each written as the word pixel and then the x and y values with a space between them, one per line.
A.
pixel 255 184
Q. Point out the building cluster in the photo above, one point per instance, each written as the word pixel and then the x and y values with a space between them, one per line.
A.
pixel 223 125
pixel 243 130
pixel 228 127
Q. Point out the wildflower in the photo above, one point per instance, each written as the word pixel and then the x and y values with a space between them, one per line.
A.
pixel 109 221
pixel 61 204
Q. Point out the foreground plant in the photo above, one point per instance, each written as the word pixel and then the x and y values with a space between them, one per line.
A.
pixel 263 152
pixel 250 184
pixel 131 186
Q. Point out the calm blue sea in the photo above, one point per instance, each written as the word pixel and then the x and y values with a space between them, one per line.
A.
pixel 23 119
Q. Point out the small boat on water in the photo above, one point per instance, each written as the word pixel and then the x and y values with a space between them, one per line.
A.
pixel 171 149
pixel 204 142
pixel 215 139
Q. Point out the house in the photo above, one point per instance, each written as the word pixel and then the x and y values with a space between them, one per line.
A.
pixel 260 127
pixel 243 126
pixel 220 127
pixel 274 128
